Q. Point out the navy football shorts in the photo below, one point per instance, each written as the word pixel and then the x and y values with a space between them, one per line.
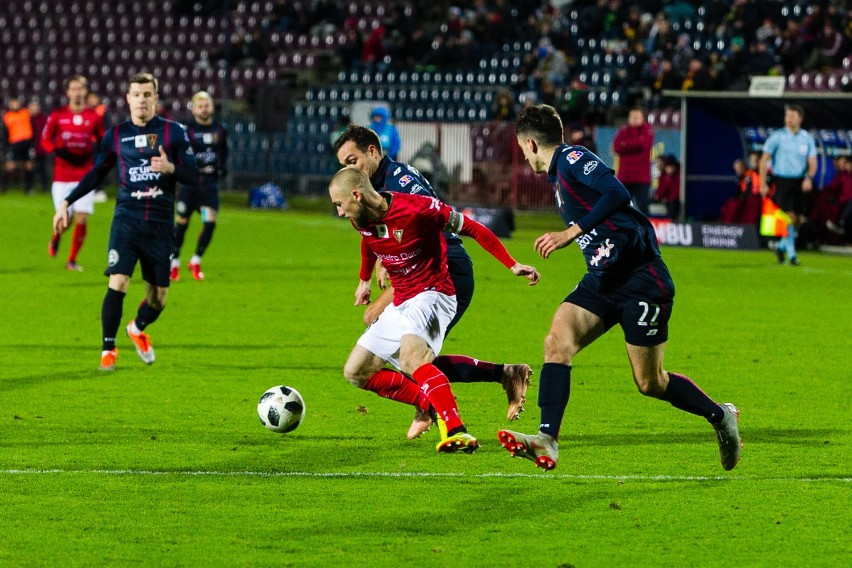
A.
pixel 149 243
pixel 461 273
pixel 192 198
pixel 642 305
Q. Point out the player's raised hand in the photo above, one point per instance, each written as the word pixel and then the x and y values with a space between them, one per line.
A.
pixel 362 293
pixel 528 272
pixel 161 163
pixel 60 220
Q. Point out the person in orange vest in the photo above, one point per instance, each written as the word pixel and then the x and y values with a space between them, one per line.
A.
pixel 745 206
pixel 19 138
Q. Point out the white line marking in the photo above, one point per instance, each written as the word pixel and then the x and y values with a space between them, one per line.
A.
pixel 369 474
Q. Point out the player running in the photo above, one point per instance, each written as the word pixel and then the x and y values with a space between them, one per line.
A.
pixel 152 154
pixel 72 134
pixel 627 284
pixel 209 141
pixel 404 232
pixel 361 148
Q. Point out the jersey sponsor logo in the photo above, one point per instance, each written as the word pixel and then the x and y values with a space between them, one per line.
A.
pixel 382 231
pixel 651 332
pixel 405 180
pixel 128 138
pixel 112 257
pixel 77 120
pixel 399 257
pixel 584 240
pixel 397 234
pixel 149 193
pixel 603 252
pixel 208 138
pixel 142 173
pixel 574 156
pixel 396 171
pixel 366 233
pixel 589 167
pixel 139 140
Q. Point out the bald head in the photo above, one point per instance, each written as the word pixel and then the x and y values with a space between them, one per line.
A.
pixel 354 197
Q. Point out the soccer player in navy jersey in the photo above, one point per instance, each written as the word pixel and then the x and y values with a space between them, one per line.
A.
pixel 152 154
pixel 404 232
pixel 209 141
pixel 626 283
pixel 360 147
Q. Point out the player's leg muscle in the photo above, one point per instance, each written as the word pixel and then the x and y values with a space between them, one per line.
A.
pixel 572 329
pixel 647 365
pixel 361 365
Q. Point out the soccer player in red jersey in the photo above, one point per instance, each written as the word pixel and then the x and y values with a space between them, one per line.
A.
pixel 72 134
pixel 404 232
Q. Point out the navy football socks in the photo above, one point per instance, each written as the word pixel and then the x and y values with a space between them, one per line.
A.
pixel 111 317
pixel 553 393
pixel 685 395
pixel 146 315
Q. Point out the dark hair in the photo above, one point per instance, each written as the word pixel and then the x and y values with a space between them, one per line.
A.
pixel 542 124
pixel 142 78
pixel 795 108
pixel 362 136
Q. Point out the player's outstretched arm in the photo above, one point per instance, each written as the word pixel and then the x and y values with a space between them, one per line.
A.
pixel 489 241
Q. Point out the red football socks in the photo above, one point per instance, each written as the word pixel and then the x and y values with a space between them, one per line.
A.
pixel 437 389
pixel 396 386
pixel 77 241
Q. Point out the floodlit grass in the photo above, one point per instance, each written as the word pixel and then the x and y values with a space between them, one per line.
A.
pixel 168 465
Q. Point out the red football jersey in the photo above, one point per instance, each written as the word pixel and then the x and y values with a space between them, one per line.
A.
pixel 408 240
pixel 77 133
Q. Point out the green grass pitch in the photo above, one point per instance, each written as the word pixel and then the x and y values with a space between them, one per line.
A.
pixel 168 465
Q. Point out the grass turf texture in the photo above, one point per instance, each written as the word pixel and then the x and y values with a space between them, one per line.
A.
pixel 169 465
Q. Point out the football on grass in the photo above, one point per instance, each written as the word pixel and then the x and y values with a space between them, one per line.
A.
pixel 281 409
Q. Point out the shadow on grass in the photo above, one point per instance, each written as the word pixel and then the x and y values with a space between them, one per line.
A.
pixel 760 435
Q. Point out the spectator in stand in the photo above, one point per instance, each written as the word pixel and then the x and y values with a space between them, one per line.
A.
pixel 697 77
pixel 19 140
pixel 632 145
pixel 388 134
pixel 790 47
pixel 668 79
pixel 828 51
pixel 504 106
pixel 39 119
pixel 373 53
pixel 745 206
pixel 668 187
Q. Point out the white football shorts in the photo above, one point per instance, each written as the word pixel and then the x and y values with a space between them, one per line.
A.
pixel 61 189
pixel 426 315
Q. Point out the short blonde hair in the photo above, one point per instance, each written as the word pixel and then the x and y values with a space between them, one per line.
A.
pixel 202 95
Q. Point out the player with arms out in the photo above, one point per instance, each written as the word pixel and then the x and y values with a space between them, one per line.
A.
pixel 361 148
pixel 72 134
pixel 209 141
pixel 404 232
pixel 627 284
pixel 152 154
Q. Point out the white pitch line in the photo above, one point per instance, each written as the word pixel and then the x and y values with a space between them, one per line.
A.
pixel 372 474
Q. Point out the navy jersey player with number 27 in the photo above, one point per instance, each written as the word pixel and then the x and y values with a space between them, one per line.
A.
pixel 626 283
pixel 151 154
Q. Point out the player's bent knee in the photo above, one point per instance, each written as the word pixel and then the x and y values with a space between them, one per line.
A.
pixel 649 387
pixel 558 350
pixel 355 377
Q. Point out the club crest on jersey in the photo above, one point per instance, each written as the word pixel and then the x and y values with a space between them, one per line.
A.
pixel 382 231
pixel 405 180
pixel 574 156
pixel 152 140
pixel 397 234
pixel 77 120
pixel 139 141
pixel 208 138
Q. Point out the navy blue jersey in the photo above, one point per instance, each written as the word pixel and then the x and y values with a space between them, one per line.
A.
pixel 142 194
pixel 210 145
pixel 617 239
pixel 403 178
